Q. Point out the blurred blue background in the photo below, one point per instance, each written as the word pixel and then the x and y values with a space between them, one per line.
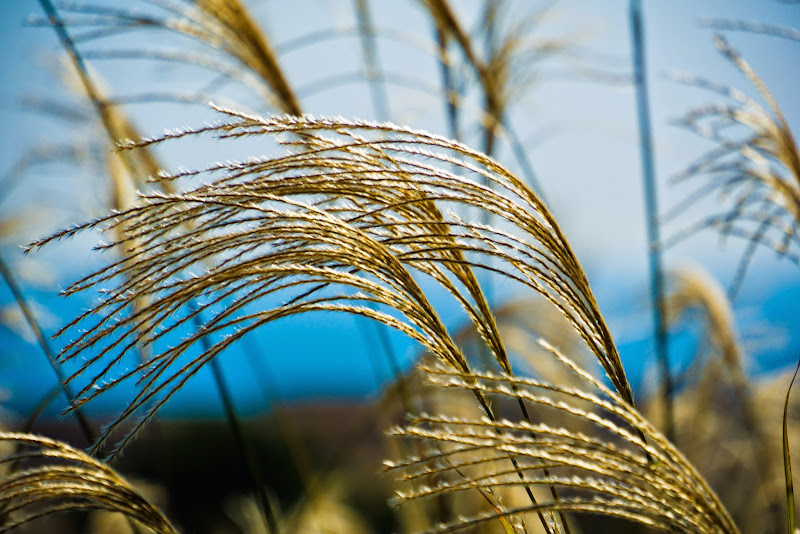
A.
pixel 578 128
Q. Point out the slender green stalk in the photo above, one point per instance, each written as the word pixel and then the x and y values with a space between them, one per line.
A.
pixel 787 460
pixel 8 276
pixel 651 207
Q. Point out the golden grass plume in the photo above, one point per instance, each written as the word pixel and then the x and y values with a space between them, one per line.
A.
pixel 607 470
pixel 342 208
pixel 63 478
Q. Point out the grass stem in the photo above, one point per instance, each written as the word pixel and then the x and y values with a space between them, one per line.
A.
pixel 372 69
pixel 787 460
pixel 651 208
pixel 30 318
pixel 244 451
pixel 288 429
pixel 380 105
pixel 451 93
pixel 251 466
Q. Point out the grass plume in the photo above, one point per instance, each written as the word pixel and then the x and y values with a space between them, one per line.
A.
pixel 503 430
pixel 378 198
pixel 607 470
pixel 63 478
pixel 755 167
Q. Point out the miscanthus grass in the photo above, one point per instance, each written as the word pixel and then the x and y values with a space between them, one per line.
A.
pixel 379 197
pixel 348 220
pixel 44 476
pixel 754 166
pixel 609 469
pixel 364 218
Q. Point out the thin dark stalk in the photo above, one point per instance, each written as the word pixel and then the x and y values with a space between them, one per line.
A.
pixel 401 380
pixel 298 450
pixel 487 409
pixel 251 465
pixel 493 112
pixel 83 422
pixel 446 19
pixel 749 253
pixel 380 104
pixel 49 397
pixel 523 161
pixel 372 70
pixel 752 27
pixel 451 95
pixel 244 451
pixel 100 105
pixel 651 207
pixel 491 89
pixel 27 426
pixel 103 110
pixel 290 105
pixel 490 16
pixel 787 459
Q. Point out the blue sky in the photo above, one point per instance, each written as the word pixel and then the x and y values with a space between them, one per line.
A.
pixel 580 136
